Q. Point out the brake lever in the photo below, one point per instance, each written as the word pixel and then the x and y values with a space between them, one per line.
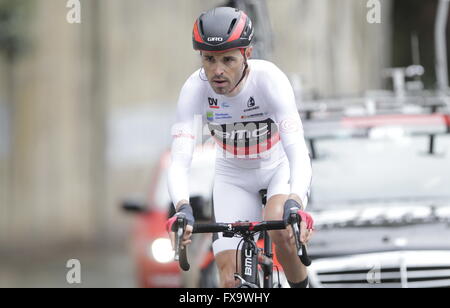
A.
pixel 295 220
pixel 180 225
pixel 181 253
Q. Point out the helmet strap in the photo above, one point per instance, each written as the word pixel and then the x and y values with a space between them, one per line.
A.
pixel 244 71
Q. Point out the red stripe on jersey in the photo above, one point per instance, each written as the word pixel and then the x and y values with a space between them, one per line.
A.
pixel 249 150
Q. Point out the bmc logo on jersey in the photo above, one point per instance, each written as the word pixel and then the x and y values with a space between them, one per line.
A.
pixel 215 39
pixel 212 102
pixel 245 138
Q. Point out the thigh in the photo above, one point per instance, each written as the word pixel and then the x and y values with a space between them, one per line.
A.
pixel 274 211
pixel 277 192
pixel 275 207
pixel 278 184
pixel 233 203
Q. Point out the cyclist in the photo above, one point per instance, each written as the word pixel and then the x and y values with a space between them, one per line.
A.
pixel 250 109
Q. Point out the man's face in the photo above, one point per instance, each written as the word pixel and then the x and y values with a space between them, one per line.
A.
pixel 223 69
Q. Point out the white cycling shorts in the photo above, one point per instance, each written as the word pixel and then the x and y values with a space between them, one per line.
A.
pixel 236 195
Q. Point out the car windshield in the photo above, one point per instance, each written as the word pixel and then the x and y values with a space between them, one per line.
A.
pixel 380 169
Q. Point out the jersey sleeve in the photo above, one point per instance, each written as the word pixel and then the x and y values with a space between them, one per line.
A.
pixel 281 99
pixel 188 116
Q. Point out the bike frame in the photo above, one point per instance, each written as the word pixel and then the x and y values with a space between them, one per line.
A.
pixel 251 257
pixel 249 260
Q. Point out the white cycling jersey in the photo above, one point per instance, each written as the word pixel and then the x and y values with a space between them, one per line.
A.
pixel 259 138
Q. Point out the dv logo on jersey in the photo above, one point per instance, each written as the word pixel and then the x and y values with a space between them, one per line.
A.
pixel 213 103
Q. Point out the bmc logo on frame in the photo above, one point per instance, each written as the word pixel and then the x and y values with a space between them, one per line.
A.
pixel 248 262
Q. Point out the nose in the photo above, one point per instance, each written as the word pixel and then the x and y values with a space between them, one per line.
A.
pixel 218 69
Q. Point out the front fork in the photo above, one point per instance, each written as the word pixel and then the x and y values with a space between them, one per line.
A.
pixel 266 261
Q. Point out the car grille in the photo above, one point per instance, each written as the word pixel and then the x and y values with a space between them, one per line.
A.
pixel 384 270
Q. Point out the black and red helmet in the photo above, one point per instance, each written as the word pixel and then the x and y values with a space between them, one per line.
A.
pixel 222 29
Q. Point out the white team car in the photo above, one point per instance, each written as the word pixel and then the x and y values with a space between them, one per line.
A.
pixel 381 202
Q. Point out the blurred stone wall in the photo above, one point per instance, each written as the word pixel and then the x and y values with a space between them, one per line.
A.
pixel 57 183
pixel 4 153
pixel 331 44
pixel 51 186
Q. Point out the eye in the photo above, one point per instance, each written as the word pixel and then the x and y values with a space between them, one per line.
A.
pixel 209 58
pixel 228 59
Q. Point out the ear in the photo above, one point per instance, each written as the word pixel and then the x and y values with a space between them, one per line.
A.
pixel 248 52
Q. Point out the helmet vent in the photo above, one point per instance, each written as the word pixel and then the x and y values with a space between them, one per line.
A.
pixel 233 22
pixel 201 28
pixel 246 30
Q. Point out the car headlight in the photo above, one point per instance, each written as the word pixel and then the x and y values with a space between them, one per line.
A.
pixel 161 250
